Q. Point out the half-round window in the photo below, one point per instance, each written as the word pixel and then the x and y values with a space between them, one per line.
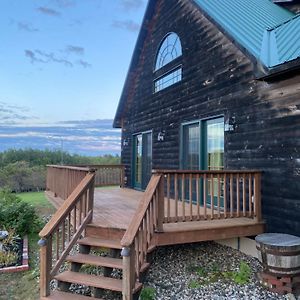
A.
pixel 170 49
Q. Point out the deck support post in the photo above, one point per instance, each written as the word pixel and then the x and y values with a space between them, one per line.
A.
pixel 128 254
pixel 161 205
pixel 45 266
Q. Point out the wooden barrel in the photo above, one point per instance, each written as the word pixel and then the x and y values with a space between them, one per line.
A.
pixel 279 253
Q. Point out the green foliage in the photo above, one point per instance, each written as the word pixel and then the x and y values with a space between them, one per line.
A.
pixel 148 293
pixel 242 276
pixel 16 214
pixel 194 284
pixel 213 273
pixel 8 258
pixel 25 170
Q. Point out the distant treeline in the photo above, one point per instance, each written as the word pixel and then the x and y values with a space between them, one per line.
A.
pixel 25 170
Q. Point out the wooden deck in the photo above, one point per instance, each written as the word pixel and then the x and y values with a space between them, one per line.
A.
pixel 115 207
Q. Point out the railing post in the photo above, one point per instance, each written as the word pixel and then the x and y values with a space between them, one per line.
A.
pixel 161 204
pixel 45 266
pixel 122 174
pixel 128 282
pixel 91 197
pixel 257 196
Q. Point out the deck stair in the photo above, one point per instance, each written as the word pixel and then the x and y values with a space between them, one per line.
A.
pixel 84 257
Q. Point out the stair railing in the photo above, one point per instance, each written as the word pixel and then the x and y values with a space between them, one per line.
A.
pixel 64 229
pixel 137 239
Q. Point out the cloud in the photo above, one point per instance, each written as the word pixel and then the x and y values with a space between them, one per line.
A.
pixel 84 63
pixel 13 114
pixel 129 5
pixel 26 27
pixel 38 56
pixel 48 11
pixel 61 57
pixel 75 49
pixel 128 25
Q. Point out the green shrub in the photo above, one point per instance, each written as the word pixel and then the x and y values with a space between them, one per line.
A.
pixel 147 293
pixel 16 214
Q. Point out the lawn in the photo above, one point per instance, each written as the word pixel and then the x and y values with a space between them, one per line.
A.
pixel 24 285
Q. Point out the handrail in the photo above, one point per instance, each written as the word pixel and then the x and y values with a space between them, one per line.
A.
pixel 205 171
pixel 64 229
pixel 137 219
pixel 77 168
pixel 67 206
pixel 136 241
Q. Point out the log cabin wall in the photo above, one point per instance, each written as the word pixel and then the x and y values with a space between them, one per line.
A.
pixel 218 79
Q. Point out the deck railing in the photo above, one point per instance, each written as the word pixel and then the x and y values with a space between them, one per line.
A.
pixel 208 195
pixel 107 175
pixel 62 180
pixel 64 229
pixel 185 196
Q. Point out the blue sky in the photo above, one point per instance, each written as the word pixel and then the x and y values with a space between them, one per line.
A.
pixel 65 59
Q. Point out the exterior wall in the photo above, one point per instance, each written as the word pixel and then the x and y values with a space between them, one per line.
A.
pixel 218 79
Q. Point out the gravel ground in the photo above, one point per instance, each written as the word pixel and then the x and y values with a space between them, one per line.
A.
pixel 180 272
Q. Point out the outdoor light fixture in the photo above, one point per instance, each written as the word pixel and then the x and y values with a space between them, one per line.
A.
pixel 230 124
pixel 125 142
pixel 161 136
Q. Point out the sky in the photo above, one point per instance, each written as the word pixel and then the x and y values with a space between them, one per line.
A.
pixel 64 60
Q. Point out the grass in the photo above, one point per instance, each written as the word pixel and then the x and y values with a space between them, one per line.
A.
pixel 39 201
pixel 24 285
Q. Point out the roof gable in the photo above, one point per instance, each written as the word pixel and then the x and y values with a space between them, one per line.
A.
pixel 265 29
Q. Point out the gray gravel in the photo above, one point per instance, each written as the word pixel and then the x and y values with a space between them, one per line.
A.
pixel 173 274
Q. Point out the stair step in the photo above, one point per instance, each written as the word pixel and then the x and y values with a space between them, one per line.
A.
pixel 99 261
pixel 96 242
pixel 94 281
pixel 58 295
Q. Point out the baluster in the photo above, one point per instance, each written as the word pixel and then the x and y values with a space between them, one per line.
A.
pixel 74 219
pixel 225 196
pixel 219 196
pixel 237 195
pixel 204 195
pixel 168 198
pixel 191 197
pixel 69 227
pixel 198 196
pixel 63 233
pixel 257 196
pixel 231 195
pixel 176 196
pixel 244 195
pixel 250 195
pixel 183 196
pixel 212 196
pixel 57 243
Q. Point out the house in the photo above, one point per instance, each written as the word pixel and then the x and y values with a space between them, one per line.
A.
pixel 218 74
pixel 210 118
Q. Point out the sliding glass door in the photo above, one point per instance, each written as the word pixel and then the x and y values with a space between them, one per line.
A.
pixel 142 160
pixel 203 149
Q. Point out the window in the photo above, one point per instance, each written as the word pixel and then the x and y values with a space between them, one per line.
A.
pixel 169 50
pixel 167 80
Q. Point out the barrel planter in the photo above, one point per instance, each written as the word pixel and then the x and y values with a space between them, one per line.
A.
pixel 279 253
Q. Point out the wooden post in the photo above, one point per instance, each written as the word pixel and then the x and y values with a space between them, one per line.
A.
pixel 257 196
pixel 91 197
pixel 161 205
pixel 122 174
pixel 45 266
pixel 128 282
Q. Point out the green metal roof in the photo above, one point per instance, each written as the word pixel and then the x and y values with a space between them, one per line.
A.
pixel 268 31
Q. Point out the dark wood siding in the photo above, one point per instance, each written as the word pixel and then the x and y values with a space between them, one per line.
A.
pixel 218 79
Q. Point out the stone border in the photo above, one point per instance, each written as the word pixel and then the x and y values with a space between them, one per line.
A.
pixel 25 260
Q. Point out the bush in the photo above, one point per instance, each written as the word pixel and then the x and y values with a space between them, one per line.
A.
pixel 147 293
pixel 16 214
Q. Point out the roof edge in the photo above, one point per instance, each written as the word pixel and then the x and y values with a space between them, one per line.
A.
pixel 134 60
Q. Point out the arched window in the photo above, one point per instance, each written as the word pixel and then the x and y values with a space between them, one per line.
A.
pixel 169 50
